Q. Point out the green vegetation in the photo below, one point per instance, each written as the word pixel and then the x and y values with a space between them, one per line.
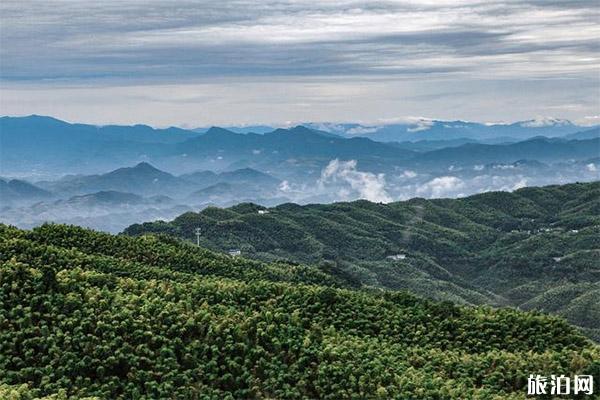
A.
pixel 91 315
pixel 535 248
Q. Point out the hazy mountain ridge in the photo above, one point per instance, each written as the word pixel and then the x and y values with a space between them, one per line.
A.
pixel 430 129
pixel 27 143
pixel 121 197
pixel 143 179
pixel 19 191
pixel 222 168
pixel 539 149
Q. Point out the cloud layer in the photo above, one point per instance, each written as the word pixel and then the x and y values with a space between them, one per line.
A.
pixel 349 49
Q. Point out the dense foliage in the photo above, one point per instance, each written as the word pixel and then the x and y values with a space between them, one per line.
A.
pixel 84 314
pixel 535 248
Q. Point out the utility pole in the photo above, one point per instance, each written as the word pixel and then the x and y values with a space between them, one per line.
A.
pixel 198 233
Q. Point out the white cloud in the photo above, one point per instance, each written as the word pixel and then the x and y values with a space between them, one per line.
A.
pixel 409 174
pixel 421 125
pixel 541 122
pixel 443 186
pixel 361 130
pixel 592 167
pixel 284 186
pixel 589 120
pixel 521 183
pixel 503 166
pixel 367 185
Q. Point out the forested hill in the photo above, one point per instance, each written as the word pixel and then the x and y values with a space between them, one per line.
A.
pixel 85 314
pixel 536 248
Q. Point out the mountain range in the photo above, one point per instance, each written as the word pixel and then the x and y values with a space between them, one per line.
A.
pixel 285 297
pixel 416 129
pixel 535 248
pixel 116 199
pixel 15 190
pixel 48 147
pixel 430 129
pixel 146 180
pixel 46 163
pixel 540 149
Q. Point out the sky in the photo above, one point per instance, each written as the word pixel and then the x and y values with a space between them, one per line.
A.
pixel 217 62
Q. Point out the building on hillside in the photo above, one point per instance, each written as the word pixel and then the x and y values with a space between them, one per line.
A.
pixel 396 257
pixel 235 252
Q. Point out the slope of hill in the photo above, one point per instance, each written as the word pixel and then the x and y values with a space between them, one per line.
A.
pixel 496 248
pixel 87 314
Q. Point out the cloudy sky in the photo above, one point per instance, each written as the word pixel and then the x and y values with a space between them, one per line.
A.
pixel 199 63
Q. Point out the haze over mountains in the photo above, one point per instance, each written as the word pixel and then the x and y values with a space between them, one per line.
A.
pixel 57 171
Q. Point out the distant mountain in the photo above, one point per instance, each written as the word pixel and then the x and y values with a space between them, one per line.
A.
pixel 540 149
pixel 47 144
pixel 288 153
pixel 18 191
pixel 235 189
pixel 108 197
pixel 282 143
pixel 112 198
pixel 213 192
pixel 587 134
pixel 36 127
pixel 142 179
pixel 425 129
pixel 429 145
pixel 201 178
pixel 44 145
pixel 260 129
pixel 246 176
pixel 303 130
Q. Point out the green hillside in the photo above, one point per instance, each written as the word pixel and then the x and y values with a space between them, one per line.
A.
pixel 85 314
pixel 505 249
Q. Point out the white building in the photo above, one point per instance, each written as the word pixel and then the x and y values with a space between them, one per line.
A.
pixel 235 252
pixel 397 257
